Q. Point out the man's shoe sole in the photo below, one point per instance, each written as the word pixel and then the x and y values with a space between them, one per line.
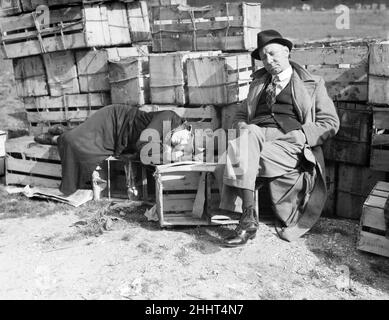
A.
pixel 231 245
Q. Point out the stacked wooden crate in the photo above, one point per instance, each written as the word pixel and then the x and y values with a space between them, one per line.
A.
pixel 61 51
pixel 200 63
pixel 345 68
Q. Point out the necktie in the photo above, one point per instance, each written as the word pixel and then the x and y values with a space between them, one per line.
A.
pixel 270 93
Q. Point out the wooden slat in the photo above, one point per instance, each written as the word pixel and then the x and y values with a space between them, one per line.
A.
pixel 12 179
pixel 373 243
pixel 381 118
pixel 34 167
pixel 26 21
pixel 213 11
pixel 331 55
pixel 59 116
pixel 180 181
pixel 354 185
pixel 185 42
pixel 347 151
pixel 47 103
pixel 178 205
pixel 379 90
pixel 61 73
pixel 10 7
pixel 27 147
pixel 379 159
pixel 373 218
pixel 118 27
pixel 138 21
pixel 379 59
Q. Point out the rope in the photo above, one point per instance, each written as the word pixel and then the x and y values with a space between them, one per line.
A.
pixel 194 40
pixel 228 27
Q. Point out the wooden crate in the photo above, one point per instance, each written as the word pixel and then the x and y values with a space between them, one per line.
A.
pixel 200 118
pixel 10 7
pixel 30 76
pixel 165 3
pixel 331 183
pixel 379 73
pixel 379 158
pixel 181 196
pixel 3 138
pixel 61 73
pixel 374 226
pixel 354 184
pixel 130 81
pixel 352 142
pixel 168 76
pixel 30 163
pixel 343 67
pixel 92 65
pixel 31 5
pixel 70 28
pixel 69 110
pixel 2 166
pixel 138 22
pixel 219 80
pixel 221 26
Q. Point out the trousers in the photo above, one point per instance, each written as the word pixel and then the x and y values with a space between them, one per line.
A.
pixel 267 153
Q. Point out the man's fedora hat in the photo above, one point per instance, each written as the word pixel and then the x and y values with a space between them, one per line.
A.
pixel 269 36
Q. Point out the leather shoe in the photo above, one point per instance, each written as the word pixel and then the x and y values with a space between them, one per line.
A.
pixel 240 238
pixel 57 129
pixel 44 138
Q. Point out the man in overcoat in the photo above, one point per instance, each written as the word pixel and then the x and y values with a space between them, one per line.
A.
pixel 285 119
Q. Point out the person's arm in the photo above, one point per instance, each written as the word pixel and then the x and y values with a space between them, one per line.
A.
pixel 240 117
pixel 326 123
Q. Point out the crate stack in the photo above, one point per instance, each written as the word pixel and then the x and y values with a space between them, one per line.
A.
pixel 200 64
pixel 350 173
pixel 374 223
pixel 60 52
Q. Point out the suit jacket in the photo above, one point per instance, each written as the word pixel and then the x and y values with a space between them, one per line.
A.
pixel 319 119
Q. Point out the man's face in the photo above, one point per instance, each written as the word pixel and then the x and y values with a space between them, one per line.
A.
pixel 275 57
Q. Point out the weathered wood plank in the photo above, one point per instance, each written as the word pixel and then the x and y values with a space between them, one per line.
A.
pixel 373 243
pixel 34 167
pixel 379 59
pixel 27 147
pixel 17 179
pixel 378 90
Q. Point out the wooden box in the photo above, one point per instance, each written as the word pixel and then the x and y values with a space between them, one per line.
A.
pixel 331 183
pixel 219 80
pixel 30 76
pixel 69 110
pixel 2 166
pixel 61 73
pixel 10 7
pixel 354 184
pixel 379 73
pixel 3 138
pixel 352 142
pixel 218 26
pixel 168 76
pixel 379 158
pixel 165 3
pixel 138 22
pixel 92 65
pixel 70 28
pixel 30 163
pixel 130 81
pixel 182 196
pixel 374 226
pixel 31 5
pixel 199 118
pixel 343 67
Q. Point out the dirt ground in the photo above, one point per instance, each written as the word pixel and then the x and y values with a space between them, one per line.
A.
pixel 54 251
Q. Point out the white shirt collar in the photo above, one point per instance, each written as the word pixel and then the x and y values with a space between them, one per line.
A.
pixel 284 75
